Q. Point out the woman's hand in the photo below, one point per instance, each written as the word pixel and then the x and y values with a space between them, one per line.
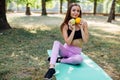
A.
pixel 81 24
pixel 72 26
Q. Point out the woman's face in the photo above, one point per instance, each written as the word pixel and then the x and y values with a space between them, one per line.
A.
pixel 75 11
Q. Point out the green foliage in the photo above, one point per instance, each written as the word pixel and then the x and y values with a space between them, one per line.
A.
pixel 48 0
pixel 118 2
pixel 50 4
pixel 8 1
pixel 74 1
pixel 23 2
pixel 96 0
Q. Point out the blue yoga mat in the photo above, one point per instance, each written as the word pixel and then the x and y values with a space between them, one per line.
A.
pixel 87 70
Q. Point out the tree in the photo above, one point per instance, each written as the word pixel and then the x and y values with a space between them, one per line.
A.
pixel 72 1
pixel 112 12
pixel 61 2
pixel 44 12
pixel 3 21
pixel 43 7
pixel 28 4
pixel 95 6
pixel 28 9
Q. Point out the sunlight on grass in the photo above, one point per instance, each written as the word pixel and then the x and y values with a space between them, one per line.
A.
pixel 105 35
pixel 34 30
pixel 107 27
pixel 23 50
pixel 100 22
pixel 14 55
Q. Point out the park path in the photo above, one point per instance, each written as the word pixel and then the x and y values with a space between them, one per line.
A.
pixel 95 22
pixel 102 24
pixel 99 22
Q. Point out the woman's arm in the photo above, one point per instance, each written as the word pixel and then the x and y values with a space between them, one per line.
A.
pixel 84 30
pixel 67 39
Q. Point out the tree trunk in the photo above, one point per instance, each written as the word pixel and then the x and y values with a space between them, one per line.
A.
pixel 69 1
pixel 111 14
pixel 61 2
pixel 27 9
pixel 72 1
pixel 95 6
pixel 44 7
pixel 113 17
pixel 3 21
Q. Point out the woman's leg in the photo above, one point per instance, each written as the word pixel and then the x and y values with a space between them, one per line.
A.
pixel 57 46
pixel 57 49
pixel 74 59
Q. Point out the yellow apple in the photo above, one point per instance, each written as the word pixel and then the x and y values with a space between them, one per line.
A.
pixel 72 21
pixel 77 20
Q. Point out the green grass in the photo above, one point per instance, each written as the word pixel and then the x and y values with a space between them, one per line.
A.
pixel 23 54
pixel 23 49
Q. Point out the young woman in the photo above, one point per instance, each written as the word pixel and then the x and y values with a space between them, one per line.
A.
pixel 74 36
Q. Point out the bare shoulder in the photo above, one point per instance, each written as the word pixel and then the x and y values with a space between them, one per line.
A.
pixel 65 27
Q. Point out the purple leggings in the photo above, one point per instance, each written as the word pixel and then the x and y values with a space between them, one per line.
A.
pixel 71 53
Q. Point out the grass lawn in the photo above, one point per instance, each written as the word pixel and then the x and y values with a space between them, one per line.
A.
pixel 23 49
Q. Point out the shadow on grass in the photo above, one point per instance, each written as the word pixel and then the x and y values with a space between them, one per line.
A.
pixel 103 47
pixel 34 21
pixel 23 53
